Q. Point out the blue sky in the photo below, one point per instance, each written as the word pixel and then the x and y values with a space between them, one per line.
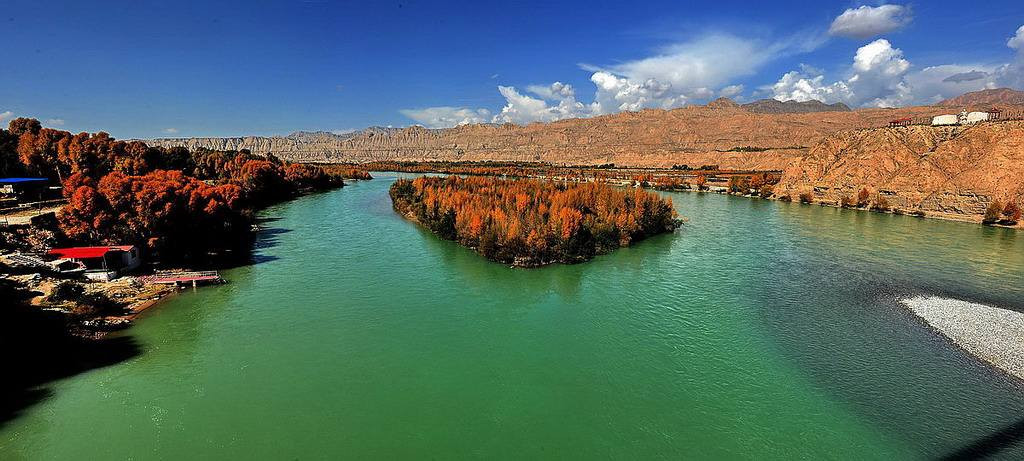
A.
pixel 150 69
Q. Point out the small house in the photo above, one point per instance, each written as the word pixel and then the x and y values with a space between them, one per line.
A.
pixel 102 263
pixel 23 189
pixel 975 117
pixel 945 120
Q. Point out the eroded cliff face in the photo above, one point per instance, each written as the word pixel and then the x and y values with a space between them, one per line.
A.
pixel 697 135
pixel 944 170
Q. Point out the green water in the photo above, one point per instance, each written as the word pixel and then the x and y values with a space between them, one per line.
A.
pixel 760 330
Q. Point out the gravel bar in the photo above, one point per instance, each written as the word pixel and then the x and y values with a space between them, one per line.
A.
pixel 994 335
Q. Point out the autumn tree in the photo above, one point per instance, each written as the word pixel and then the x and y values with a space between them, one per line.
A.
pixel 702 182
pixel 862 197
pixel 531 222
pixel 1011 213
pixel 993 212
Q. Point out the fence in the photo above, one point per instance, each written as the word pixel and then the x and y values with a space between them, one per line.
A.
pixel 31 205
pixel 1004 116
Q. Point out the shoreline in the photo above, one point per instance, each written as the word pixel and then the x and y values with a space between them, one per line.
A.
pixel 989 334
pixel 949 217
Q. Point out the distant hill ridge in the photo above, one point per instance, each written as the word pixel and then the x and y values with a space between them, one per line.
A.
pixel 998 96
pixel 718 133
pixel 774 106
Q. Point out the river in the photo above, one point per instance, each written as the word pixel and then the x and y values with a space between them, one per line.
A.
pixel 759 330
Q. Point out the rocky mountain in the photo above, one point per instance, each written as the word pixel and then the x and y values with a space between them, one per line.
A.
pixel 722 103
pixel 947 170
pixel 691 135
pixel 774 106
pixel 986 98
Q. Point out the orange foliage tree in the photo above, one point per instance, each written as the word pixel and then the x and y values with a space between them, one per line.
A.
pixel 533 222
pixel 177 202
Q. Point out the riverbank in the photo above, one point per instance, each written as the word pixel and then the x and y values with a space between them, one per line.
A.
pixel 669 180
pixel 992 335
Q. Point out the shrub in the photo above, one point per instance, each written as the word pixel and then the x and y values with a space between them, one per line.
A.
pixel 806 197
pixel 66 291
pixel 881 204
pixel 96 303
pixel 702 182
pixel 1011 213
pixel 847 202
pixel 993 212
pixel 862 198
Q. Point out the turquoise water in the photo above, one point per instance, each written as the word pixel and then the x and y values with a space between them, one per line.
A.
pixel 759 330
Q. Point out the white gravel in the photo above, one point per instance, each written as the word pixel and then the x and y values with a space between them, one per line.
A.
pixel 989 333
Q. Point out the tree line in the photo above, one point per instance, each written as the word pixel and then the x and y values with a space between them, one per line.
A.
pixel 529 222
pixel 170 201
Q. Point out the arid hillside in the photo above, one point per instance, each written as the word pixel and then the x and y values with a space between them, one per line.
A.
pixel 949 170
pixel 697 135
pixel 984 98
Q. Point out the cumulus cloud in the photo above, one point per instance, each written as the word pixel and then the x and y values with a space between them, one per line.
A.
pixel 677 75
pixel 522 109
pixel 615 93
pixel 54 122
pixel 680 73
pixel 800 86
pixel 876 78
pixel 880 76
pixel 870 21
pixel 1017 41
pixel 170 130
pixel 6 115
pixel 446 116
pixel 1012 73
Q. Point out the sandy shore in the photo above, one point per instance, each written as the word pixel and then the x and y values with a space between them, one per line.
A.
pixel 994 335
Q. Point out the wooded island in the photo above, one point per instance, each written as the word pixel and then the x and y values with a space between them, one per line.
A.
pixel 531 223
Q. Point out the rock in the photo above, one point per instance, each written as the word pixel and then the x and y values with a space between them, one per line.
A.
pixel 951 170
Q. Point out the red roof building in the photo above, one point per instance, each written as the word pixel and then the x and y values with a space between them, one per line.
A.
pixel 87 252
pixel 102 262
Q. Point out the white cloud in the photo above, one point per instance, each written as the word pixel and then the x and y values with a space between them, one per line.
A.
pixel 870 21
pixel 523 109
pixel 1017 41
pixel 880 76
pixel 731 91
pixel 54 122
pixel 447 116
pixel 681 73
pixel 615 93
pixel 170 131
pixel 876 78
pixel 6 115
pixel 800 86
pixel 1012 74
